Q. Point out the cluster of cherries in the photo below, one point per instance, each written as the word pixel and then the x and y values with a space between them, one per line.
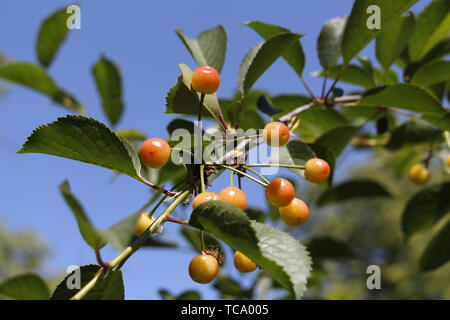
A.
pixel 280 192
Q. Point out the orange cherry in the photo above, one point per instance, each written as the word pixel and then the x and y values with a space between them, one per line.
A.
pixel 280 192
pixel 203 268
pixel 295 213
pixel 317 170
pixel 154 152
pixel 276 134
pixel 205 79
pixel 235 196
pixel 204 197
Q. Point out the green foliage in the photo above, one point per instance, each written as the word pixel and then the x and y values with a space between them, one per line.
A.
pixel 432 25
pixel 433 73
pixel 109 85
pixel 393 40
pixel 352 74
pixel 330 41
pixel 437 252
pixel 412 133
pixel 185 295
pixel 294 153
pixel 350 190
pixel 280 255
pixel 357 35
pixel 107 287
pixel 209 48
pixel 261 57
pixel 87 140
pixel 52 33
pixel 425 208
pixel 328 248
pixel 293 55
pixel 36 78
pixel 27 286
pixel 337 139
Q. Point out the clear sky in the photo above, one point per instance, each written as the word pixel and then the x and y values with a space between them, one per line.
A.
pixel 139 36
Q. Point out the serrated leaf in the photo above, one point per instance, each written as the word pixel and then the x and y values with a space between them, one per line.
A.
pixel 293 55
pixel 86 140
pixel 276 252
pixel 353 74
pixel 90 234
pixel 412 133
pixel 329 248
pixel 261 57
pixel 108 81
pixel 437 251
pixel 337 139
pixel 357 33
pixel 432 73
pixel 52 33
pixel 27 286
pixel 108 287
pixel 407 97
pixel 432 25
pixel 393 40
pixel 425 208
pixel 36 78
pixel 354 189
pixel 330 41
pixel 209 48
pixel 295 152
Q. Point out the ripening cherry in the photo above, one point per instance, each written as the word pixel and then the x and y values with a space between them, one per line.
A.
pixel 448 161
pixel 154 152
pixel 234 196
pixel 144 222
pixel 203 268
pixel 280 192
pixel 204 197
pixel 243 263
pixel 317 170
pixel 294 214
pixel 276 134
pixel 419 174
pixel 205 79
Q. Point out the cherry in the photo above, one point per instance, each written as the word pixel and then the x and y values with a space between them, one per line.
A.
pixel 448 161
pixel 203 268
pixel 235 196
pixel 280 192
pixel 276 134
pixel 294 214
pixel 205 79
pixel 243 263
pixel 154 152
pixel 317 170
pixel 204 197
pixel 143 223
pixel 419 174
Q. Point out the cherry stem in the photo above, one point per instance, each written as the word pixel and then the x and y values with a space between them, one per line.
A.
pixel 100 261
pixel 291 166
pixel 159 188
pixel 243 174
pixel 257 173
pixel 178 221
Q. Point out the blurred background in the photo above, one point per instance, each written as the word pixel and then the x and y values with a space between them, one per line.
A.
pixel 37 231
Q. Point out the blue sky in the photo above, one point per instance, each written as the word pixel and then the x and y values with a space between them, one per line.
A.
pixel 139 36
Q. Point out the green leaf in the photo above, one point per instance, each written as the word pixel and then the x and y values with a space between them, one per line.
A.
pixel 432 73
pixel 86 140
pixel 280 255
pixel 181 99
pixel 407 97
pixel 432 25
pixel 295 152
pixel 132 135
pixel 230 288
pixel 109 85
pixel 185 295
pixel 108 287
pixel 357 34
pixel 27 286
pixel 329 248
pixel 393 40
pixel 293 55
pixel 442 122
pixel 36 78
pixel 318 120
pixel 261 57
pixel 437 251
pixel 425 208
pixel 412 133
pixel 330 41
pixel 337 139
pixel 52 33
pixel 209 48
pixel 266 106
pixel 363 188
pixel 90 234
pixel 289 102
pixel 353 74
pixel 155 242
pixel 121 233
pixel 256 214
